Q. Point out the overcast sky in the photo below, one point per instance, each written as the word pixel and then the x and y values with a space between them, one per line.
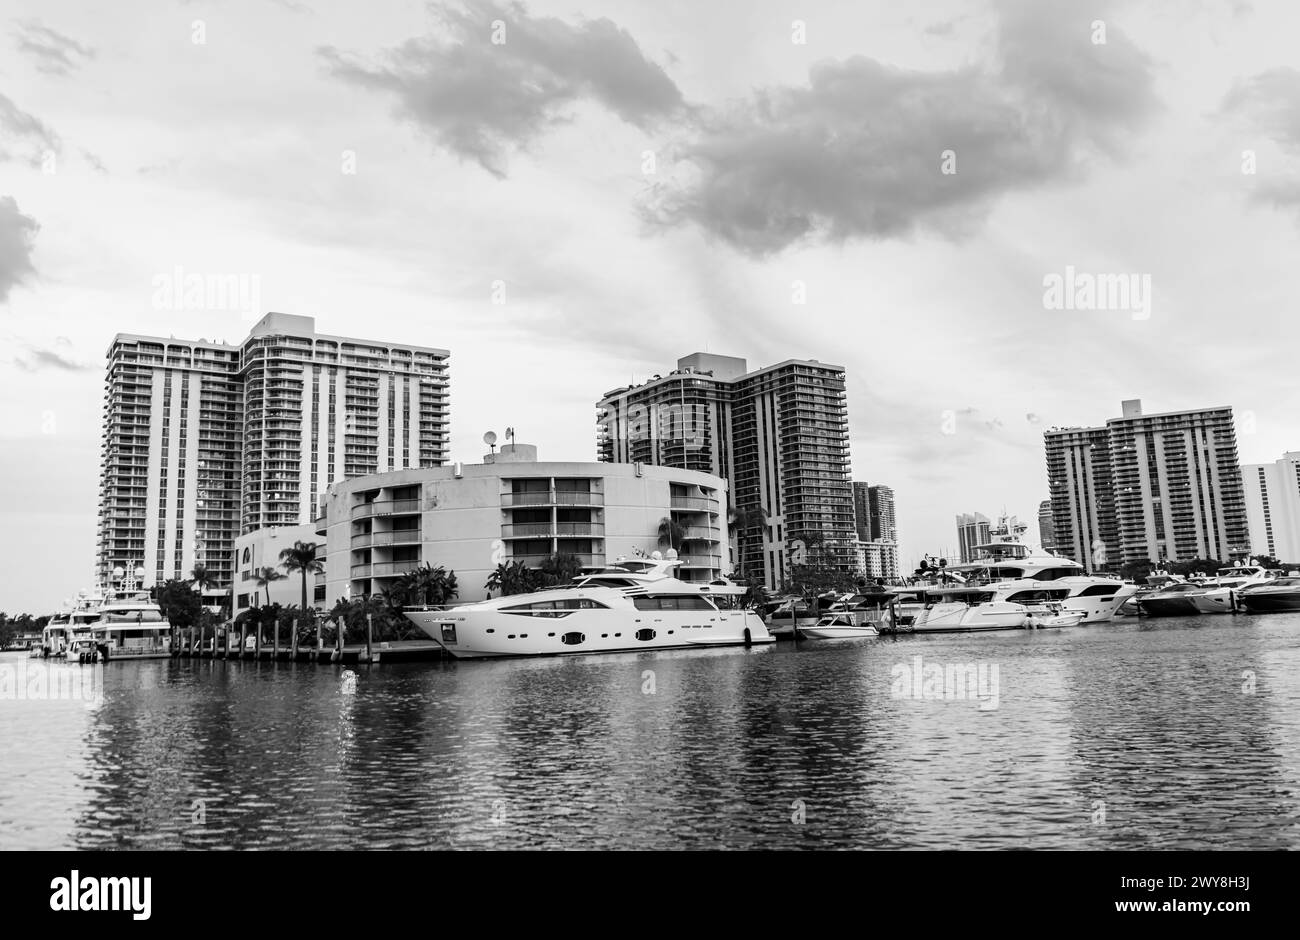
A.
pixel 649 180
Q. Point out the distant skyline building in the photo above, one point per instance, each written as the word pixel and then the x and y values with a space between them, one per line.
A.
pixel 779 435
pixel 1272 492
pixel 1046 529
pixel 883 524
pixel 203 441
pixel 873 512
pixel 1162 487
pixel 862 510
pixel 972 529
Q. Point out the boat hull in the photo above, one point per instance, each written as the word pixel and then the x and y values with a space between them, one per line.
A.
pixel 838 633
pixel 1223 601
pixel 962 618
pixel 495 635
pixel 1181 606
pixel 1099 608
pixel 1268 602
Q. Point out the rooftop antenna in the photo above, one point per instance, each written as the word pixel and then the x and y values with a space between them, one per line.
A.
pixel 510 433
pixel 490 439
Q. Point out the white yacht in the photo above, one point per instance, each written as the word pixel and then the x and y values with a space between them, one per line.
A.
pixel 1018 574
pixel 130 626
pixel 968 609
pixel 71 625
pixel 635 605
pixel 54 638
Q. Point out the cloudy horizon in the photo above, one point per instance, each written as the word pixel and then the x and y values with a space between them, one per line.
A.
pixel 571 197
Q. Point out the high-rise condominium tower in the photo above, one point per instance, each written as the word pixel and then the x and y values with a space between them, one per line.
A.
pixel 204 440
pixel 779 435
pixel 1162 487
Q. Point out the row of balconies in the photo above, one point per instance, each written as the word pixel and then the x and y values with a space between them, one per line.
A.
pixel 553 498
pixel 552 529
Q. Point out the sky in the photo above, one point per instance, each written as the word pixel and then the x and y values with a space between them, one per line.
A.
pixel 570 197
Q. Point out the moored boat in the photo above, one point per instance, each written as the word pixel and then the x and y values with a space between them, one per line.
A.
pixel 965 610
pixel 634 605
pixel 1173 600
pixel 130 626
pixel 1280 594
pixel 1221 595
pixel 1015 569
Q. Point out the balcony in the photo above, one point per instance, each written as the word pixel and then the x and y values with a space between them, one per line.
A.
pixel 399 537
pixel 701 561
pixel 385 508
pixel 694 503
pixel 701 532
pixel 587 561
pixel 532 530
pixel 557 498
pixel 384 569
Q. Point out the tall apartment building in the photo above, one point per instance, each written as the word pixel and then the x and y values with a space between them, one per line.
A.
pixel 204 440
pixel 1083 505
pixel 877 542
pixel 862 510
pixel 1272 492
pixel 972 529
pixel 778 435
pixel 880 505
pixel 1162 487
pixel 1046 528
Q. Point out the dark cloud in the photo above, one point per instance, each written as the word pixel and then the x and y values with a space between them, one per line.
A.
pixel 17 231
pixel 37 360
pixel 858 151
pixel 16 125
pixel 1270 104
pixel 96 164
pixel 481 100
pixel 53 52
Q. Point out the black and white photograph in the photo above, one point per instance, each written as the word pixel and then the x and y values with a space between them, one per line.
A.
pixel 794 432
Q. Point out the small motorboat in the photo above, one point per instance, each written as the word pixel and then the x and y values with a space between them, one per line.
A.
pixel 839 626
pixel 1054 618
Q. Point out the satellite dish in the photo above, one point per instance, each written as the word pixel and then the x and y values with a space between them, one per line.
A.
pixel 490 438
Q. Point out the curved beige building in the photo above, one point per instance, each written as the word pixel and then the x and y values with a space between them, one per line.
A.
pixel 470 518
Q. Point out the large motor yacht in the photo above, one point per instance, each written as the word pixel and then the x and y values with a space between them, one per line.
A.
pixel 1017 574
pixel 70 627
pixel 130 626
pixel 635 605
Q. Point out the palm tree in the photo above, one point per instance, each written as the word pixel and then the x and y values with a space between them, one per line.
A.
pixel 202 578
pixel 512 577
pixel 302 558
pixel 670 532
pixel 428 586
pixel 559 568
pixel 263 577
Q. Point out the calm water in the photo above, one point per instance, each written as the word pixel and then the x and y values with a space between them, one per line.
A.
pixel 1149 721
